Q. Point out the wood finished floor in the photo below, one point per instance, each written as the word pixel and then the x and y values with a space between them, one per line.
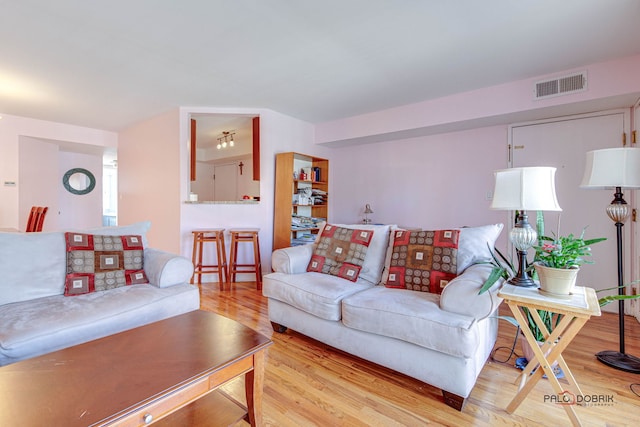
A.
pixel 308 383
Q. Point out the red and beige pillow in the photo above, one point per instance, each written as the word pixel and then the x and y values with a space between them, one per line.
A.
pixel 340 251
pixel 422 260
pixel 98 262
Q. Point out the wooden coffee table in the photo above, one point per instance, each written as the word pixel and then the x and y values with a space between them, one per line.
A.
pixel 140 376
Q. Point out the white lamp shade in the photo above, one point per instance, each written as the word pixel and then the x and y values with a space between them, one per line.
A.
pixel 528 188
pixel 612 167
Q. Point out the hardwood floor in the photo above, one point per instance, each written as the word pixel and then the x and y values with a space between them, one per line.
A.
pixel 310 384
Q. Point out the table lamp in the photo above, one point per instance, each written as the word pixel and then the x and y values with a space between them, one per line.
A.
pixel 617 169
pixel 367 212
pixel 520 190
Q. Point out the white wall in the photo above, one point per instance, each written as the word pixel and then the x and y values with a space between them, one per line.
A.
pixel 42 166
pixel 430 182
pixel 149 178
pixel 79 211
pixel 37 179
pixel 12 129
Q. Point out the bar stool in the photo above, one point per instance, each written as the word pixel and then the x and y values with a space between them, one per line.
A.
pixel 249 235
pixel 213 235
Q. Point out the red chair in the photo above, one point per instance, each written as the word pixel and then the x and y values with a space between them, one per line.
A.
pixel 36 218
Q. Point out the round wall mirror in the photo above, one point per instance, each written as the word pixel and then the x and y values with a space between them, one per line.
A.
pixel 79 181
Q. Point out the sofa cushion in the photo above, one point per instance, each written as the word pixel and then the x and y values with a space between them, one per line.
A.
pixel 98 262
pixel 42 325
pixel 340 252
pixel 371 271
pixel 315 293
pixel 476 243
pixel 473 247
pixel 34 265
pixel 422 260
pixel 411 316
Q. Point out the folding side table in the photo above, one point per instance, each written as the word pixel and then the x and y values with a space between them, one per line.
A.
pixel 576 309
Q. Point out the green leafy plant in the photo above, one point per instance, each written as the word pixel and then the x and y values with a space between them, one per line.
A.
pixel 557 252
pixel 502 268
pixel 550 320
pixel 564 251
pixel 611 298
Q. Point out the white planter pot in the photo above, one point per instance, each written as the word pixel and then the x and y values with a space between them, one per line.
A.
pixel 557 282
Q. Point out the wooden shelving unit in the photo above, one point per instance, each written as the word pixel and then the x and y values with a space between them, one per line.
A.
pixel 299 202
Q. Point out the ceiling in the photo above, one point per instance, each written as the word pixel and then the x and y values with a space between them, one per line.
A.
pixel 108 64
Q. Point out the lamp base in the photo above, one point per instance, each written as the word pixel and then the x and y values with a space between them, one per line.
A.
pixel 621 361
pixel 525 282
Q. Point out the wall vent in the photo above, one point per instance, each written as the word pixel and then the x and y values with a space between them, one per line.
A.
pixel 561 86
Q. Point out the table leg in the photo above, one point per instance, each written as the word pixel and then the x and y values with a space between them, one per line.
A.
pixel 568 329
pixel 253 382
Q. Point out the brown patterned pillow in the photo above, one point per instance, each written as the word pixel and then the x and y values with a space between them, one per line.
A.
pixel 97 263
pixel 423 260
pixel 340 252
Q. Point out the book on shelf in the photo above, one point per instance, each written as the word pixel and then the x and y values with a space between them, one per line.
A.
pixel 303 239
pixel 301 222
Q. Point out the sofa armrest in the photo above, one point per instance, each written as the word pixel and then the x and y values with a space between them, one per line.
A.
pixel 293 260
pixel 165 269
pixel 461 294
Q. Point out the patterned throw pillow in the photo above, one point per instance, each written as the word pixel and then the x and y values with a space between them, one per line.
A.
pixel 340 252
pixel 423 260
pixel 97 263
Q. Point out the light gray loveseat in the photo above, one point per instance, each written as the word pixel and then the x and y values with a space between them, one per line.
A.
pixel 36 318
pixel 443 340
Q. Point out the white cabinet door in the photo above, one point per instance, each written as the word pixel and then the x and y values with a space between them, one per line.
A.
pixel 225 183
pixel 562 143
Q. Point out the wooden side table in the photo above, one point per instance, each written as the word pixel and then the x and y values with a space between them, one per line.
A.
pixel 575 311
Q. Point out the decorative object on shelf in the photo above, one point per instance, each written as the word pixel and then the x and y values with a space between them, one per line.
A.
pixel 615 168
pixel 367 212
pixel 558 260
pixel 225 140
pixel 520 190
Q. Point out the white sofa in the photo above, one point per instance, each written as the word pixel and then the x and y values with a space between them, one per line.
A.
pixel 37 318
pixel 441 339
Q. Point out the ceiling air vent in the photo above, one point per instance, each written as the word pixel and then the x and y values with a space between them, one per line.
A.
pixel 561 86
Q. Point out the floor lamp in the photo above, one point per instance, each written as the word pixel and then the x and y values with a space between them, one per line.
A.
pixel 618 169
pixel 523 189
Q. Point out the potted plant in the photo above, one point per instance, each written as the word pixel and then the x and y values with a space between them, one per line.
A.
pixel 564 253
pixel 558 260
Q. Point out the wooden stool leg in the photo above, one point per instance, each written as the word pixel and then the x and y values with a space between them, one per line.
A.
pixel 193 257
pixel 200 249
pixel 233 257
pixel 256 261
pixel 219 257
pixel 223 264
pixel 196 257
